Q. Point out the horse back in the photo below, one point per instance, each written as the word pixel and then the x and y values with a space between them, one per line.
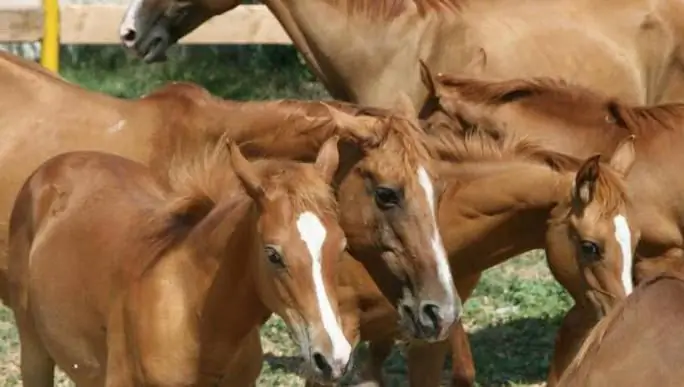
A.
pixel 638 343
pixel 76 205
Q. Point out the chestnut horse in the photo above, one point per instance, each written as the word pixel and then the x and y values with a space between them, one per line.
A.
pixel 386 183
pixel 500 199
pixel 639 343
pixel 598 231
pixel 118 281
pixel 365 51
pixel 575 120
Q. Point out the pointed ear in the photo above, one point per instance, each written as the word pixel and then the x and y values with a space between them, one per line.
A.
pixel 624 155
pixel 427 79
pixel 246 173
pixel 328 159
pixel 364 130
pixel 585 180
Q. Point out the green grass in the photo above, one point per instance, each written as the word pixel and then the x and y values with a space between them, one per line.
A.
pixel 513 314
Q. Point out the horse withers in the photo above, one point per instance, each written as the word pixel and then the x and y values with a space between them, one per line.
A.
pixel 118 280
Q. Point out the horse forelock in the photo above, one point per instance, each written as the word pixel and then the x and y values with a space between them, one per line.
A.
pixel 391 9
pixel 610 192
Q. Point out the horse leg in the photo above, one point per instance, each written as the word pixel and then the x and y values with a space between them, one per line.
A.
pixel 378 350
pixel 462 364
pixel 573 330
pixel 37 366
pixel 425 363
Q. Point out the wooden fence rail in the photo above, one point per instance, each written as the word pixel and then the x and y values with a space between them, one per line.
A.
pixel 30 21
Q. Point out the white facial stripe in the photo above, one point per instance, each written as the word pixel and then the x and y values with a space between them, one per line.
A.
pixel 624 238
pixel 313 233
pixel 443 272
pixel 128 21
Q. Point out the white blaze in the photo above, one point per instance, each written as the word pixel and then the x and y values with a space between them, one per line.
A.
pixel 128 22
pixel 443 272
pixel 313 233
pixel 624 238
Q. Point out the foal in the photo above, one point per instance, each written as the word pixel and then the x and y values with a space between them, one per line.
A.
pixel 119 282
pixel 598 232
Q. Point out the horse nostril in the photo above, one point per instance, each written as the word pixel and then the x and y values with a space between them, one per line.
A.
pixel 431 311
pixel 129 36
pixel 322 364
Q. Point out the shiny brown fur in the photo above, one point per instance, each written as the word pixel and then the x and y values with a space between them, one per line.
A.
pixel 367 51
pixel 638 343
pixel 119 281
pixel 564 117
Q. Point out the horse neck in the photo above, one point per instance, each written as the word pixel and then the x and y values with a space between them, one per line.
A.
pixel 321 32
pixel 222 251
pixel 496 210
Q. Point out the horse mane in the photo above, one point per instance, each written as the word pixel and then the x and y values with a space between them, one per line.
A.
pixel 554 96
pixel 595 339
pixel 479 145
pixel 644 119
pixel 204 188
pixel 391 9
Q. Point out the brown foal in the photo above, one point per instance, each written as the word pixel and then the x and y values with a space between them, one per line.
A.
pixel 119 281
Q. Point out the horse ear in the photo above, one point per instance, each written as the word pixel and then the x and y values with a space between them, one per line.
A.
pixel 427 78
pixel 624 155
pixel 363 130
pixel 585 180
pixel 328 159
pixel 245 172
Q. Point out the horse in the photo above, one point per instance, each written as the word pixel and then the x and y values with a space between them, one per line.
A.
pixel 118 280
pixel 637 343
pixel 569 118
pixel 502 195
pixel 386 184
pixel 596 218
pixel 365 51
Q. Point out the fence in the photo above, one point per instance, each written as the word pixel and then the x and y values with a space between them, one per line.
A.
pixel 54 24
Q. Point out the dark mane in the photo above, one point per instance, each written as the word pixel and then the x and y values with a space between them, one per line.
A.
pixel 390 9
pixel 501 92
pixel 568 101
pixel 645 119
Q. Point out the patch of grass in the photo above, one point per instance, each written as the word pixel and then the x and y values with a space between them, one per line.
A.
pixel 511 317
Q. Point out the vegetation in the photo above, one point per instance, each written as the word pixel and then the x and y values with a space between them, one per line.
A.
pixel 513 314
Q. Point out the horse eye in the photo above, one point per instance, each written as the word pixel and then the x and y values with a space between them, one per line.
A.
pixel 274 256
pixel 590 251
pixel 386 198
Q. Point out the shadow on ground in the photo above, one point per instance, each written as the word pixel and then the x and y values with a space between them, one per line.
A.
pixel 517 351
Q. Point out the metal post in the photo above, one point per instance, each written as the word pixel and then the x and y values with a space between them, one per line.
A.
pixel 49 56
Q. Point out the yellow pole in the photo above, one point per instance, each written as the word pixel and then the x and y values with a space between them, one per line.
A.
pixel 49 57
